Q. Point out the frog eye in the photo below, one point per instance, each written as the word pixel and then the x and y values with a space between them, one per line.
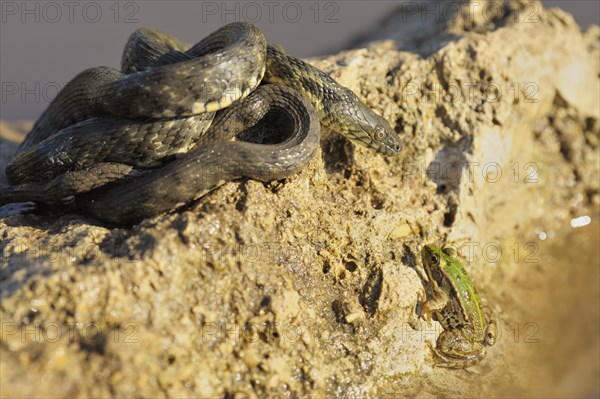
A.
pixel 435 259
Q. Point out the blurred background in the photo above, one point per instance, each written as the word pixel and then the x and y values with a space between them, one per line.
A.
pixel 43 44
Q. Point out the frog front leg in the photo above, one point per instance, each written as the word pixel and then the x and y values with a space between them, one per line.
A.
pixel 437 302
pixel 457 348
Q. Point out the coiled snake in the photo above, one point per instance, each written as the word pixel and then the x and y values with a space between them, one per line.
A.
pixel 133 143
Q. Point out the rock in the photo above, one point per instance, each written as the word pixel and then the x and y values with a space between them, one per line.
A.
pixel 308 286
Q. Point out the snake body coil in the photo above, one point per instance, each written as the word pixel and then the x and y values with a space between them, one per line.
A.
pixel 133 143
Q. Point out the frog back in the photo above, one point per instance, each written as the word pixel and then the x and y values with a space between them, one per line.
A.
pixel 464 305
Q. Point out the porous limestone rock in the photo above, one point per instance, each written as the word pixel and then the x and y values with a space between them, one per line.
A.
pixel 307 286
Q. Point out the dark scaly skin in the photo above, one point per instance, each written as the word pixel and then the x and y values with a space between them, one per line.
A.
pixel 120 195
pixel 135 142
pixel 68 183
pixel 338 107
pixel 160 105
pixel 207 166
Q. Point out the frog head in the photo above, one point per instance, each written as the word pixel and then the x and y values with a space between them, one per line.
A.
pixel 435 261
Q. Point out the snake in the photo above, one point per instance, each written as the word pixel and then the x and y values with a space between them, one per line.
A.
pixel 177 121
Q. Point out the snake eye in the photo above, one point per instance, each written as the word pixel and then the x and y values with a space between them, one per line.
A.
pixel 380 134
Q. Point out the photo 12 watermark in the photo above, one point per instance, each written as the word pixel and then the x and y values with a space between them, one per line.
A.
pixel 52 12
pixel 495 252
pixel 454 172
pixel 251 332
pixel 22 250
pixel 72 332
pixel 251 253
pixel 474 92
pixel 517 332
pixel 30 92
pixel 326 12
pixel 468 12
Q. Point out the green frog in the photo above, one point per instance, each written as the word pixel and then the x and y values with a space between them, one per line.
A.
pixel 468 324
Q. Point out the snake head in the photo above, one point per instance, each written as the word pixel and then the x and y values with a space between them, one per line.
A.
pixel 372 130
